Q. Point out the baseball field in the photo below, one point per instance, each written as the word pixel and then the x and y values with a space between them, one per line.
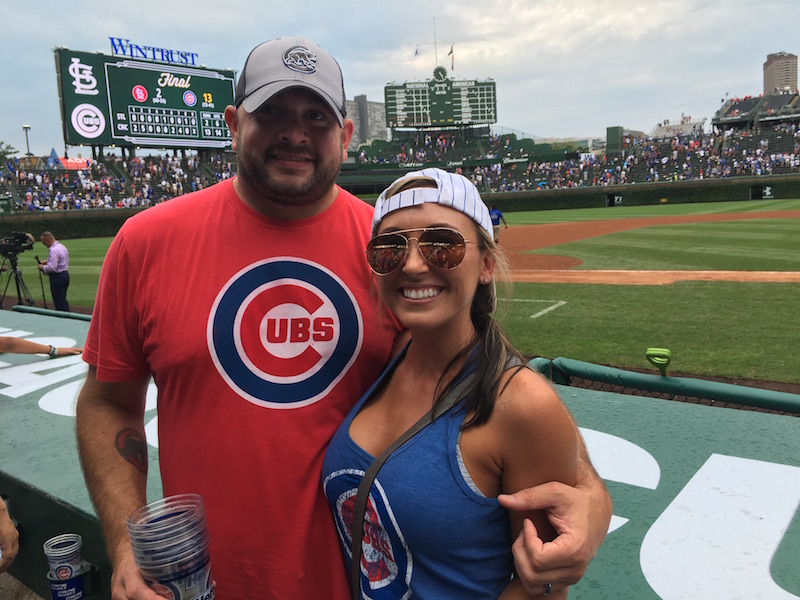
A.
pixel 716 283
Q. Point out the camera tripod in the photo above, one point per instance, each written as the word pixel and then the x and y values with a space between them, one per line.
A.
pixel 23 293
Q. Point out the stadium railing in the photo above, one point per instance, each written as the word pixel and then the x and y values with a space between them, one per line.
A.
pixel 566 371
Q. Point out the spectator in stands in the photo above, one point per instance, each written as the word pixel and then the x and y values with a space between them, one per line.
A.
pixel 57 269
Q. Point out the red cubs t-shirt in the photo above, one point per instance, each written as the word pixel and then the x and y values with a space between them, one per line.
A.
pixel 260 335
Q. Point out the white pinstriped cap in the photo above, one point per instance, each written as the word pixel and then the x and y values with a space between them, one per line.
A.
pixel 455 191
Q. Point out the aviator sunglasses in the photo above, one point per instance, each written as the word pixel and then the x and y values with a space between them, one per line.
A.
pixel 442 247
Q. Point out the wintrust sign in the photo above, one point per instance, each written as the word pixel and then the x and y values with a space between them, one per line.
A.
pixel 124 47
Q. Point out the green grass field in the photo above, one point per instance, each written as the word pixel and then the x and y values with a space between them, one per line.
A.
pixel 736 330
pixel 757 245
pixel 655 210
pixel 725 329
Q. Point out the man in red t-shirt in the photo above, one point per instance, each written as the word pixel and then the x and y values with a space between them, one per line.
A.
pixel 249 305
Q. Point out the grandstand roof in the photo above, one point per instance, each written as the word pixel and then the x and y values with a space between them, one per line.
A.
pixel 752 109
pixel 668 130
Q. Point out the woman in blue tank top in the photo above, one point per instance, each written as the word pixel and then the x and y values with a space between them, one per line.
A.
pixel 433 526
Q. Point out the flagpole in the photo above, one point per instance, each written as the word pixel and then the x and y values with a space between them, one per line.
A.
pixel 435 51
pixel 435 48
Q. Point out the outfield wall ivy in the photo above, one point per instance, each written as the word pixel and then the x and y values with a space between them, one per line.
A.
pixel 67 224
pixel 780 187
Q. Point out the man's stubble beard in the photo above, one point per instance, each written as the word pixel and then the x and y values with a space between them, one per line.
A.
pixel 254 172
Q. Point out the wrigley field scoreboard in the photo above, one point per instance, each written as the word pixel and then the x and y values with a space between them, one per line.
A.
pixel 441 102
pixel 124 101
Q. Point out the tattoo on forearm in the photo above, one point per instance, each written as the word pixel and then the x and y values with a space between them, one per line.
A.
pixel 133 448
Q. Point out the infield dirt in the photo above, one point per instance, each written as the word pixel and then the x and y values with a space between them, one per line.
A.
pixel 547 268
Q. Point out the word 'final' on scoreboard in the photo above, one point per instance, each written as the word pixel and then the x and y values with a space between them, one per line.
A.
pixel 441 102
pixel 107 100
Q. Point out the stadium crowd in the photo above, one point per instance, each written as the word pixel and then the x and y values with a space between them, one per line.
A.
pixel 113 183
pixel 681 157
pixel 503 165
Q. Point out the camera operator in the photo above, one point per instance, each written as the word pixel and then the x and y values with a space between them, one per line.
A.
pixel 56 268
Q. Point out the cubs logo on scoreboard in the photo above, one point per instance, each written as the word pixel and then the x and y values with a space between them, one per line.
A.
pixel 283 332
pixel 115 101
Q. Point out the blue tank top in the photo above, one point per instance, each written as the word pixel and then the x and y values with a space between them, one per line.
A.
pixel 426 530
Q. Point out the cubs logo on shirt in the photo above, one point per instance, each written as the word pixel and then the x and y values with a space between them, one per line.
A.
pixel 386 562
pixel 284 331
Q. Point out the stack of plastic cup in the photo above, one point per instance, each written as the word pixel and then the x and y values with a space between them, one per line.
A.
pixel 66 572
pixel 63 554
pixel 170 543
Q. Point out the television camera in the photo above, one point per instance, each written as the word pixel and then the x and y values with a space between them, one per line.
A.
pixel 18 241
pixel 10 248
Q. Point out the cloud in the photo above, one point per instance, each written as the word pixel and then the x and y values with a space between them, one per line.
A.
pixel 563 68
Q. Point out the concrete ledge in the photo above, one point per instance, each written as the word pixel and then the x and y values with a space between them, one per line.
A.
pixel 14 589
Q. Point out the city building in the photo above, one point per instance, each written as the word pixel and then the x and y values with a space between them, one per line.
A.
pixel 369 119
pixel 780 73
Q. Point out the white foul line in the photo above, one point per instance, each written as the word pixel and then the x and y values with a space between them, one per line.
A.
pixel 556 304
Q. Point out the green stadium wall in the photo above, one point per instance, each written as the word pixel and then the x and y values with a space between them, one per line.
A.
pixel 781 187
pixel 68 224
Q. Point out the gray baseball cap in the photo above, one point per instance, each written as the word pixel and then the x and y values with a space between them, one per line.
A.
pixel 290 62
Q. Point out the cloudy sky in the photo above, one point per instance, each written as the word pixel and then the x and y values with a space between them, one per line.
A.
pixel 563 68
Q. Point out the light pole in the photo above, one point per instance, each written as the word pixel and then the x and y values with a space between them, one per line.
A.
pixel 26 129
